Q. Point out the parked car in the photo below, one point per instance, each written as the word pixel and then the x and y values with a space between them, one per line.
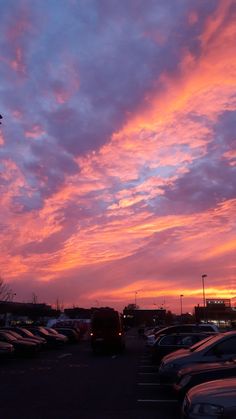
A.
pixel 221 347
pixel 80 326
pixel 166 344
pixel 54 332
pixel 21 346
pixel 6 349
pixel 193 375
pixel 182 328
pixel 52 340
pixel 25 333
pixel 28 338
pixel 71 334
pixel 213 399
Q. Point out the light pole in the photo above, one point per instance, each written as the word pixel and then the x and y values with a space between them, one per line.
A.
pixel 203 294
pixel 135 298
pixel 181 305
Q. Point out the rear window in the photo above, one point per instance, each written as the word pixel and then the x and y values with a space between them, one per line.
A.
pixel 206 328
pixel 167 340
pixel 105 323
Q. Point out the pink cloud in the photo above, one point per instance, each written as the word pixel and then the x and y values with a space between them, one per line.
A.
pixel 2 141
pixel 18 64
pixel 231 157
pixel 35 131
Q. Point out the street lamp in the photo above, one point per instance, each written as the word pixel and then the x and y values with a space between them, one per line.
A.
pixel 181 305
pixel 203 289
pixel 135 298
pixel 203 294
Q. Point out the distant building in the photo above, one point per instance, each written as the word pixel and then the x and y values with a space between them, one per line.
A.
pixel 25 312
pixel 78 312
pixel 217 310
pixel 81 313
pixel 136 317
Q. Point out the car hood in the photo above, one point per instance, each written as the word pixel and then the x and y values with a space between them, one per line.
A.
pixel 220 392
pixel 197 368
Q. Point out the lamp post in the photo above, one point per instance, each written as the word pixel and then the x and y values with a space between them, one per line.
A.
pixel 203 294
pixel 181 305
pixel 135 298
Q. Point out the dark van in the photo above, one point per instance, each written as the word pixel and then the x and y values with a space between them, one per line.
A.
pixel 106 331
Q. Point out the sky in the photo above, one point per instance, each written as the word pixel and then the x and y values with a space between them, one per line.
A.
pixel 118 151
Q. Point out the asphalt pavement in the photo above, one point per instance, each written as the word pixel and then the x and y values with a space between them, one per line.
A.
pixel 72 383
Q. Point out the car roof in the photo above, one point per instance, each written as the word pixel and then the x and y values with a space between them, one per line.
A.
pixel 201 367
pixel 223 391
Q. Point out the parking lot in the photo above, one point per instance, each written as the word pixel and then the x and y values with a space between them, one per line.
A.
pixel 73 383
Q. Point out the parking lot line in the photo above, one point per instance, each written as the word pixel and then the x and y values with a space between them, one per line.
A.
pixel 157 401
pixel 147 366
pixel 154 384
pixel 145 362
pixel 64 355
pixel 147 373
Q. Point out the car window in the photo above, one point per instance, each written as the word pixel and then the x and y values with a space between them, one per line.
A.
pixel 206 328
pixel 186 329
pixel 163 331
pixel 226 347
pixel 185 340
pixel 27 332
pixel 167 340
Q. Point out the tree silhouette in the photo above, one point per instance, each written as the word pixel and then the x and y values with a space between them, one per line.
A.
pixel 6 293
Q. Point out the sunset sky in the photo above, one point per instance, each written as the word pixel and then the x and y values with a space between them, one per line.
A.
pixel 118 151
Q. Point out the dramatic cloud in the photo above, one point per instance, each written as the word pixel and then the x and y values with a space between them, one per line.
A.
pixel 118 150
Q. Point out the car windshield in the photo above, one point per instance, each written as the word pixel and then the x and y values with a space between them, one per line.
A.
pixel 27 332
pixel 204 343
pixel 41 329
pixel 54 332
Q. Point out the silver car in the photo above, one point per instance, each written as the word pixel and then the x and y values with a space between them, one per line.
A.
pixel 221 347
pixel 213 399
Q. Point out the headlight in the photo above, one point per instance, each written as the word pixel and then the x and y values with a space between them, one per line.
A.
pixel 185 380
pixel 207 409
